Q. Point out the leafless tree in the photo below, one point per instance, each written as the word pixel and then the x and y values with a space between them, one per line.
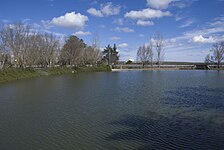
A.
pixel 150 50
pixel 50 48
pixel 4 55
pixel 141 55
pixel 144 54
pixel 158 39
pixel 86 56
pixel 95 53
pixel 91 55
pixel 31 48
pixel 207 59
pixel 15 37
pixel 218 53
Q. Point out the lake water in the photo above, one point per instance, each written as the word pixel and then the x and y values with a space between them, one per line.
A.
pixel 118 110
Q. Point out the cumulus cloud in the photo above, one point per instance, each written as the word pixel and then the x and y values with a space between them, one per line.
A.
pixel 144 23
pixel 125 29
pixel 123 45
pixel 107 9
pixel 115 38
pixel 159 4
pixel 81 33
pixel 70 20
pixel 95 12
pixel 201 39
pixel 147 14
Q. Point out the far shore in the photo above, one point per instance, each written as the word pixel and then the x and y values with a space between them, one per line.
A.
pixel 135 69
pixel 11 74
pixel 167 66
pixel 113 70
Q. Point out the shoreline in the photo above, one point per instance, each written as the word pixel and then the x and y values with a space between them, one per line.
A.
pixel 13 74
pixel 163 69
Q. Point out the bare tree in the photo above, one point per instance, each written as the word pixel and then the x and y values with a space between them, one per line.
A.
pixel 4 55
pixel 31 48
pixel 218 53
pixel 50 49
pixel 95 53
pixel 145 54
pixel 159 48
pixel 15 37
pixel 150 50
pixel 207 59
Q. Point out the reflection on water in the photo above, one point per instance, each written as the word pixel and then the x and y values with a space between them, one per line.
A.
pixel 119 110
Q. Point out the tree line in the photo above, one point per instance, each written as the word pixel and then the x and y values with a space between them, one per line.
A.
pixel 21 46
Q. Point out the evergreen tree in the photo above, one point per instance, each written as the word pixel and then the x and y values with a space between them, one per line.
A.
pixel 111 54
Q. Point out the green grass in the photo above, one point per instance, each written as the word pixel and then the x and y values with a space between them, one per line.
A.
pixel 58 71
pixel 94 69
pixel 16 74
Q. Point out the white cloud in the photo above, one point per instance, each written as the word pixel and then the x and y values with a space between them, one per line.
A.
pixel 70 20
pixel 144 23
pixel 179 17
pixel 82 33
pixel 107 9
pixel 210 29
pixel 95 12
pixel 219 21
pixel 115 38
pixel 126 29
pixel 147 14
pixel 195 44
pixel 123 45
pixel 201 39
pixel 183 3
pixel 159 4
pixel 204 32
pixel 187 23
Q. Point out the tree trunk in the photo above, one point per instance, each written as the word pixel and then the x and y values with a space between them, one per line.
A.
pixel 218 64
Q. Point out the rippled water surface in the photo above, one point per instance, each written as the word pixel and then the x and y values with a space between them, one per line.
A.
pixel 118 110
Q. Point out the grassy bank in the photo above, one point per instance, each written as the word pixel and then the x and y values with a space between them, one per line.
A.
pixel 59 71
pixel 7 75
pixel 16 74
pixel 94 69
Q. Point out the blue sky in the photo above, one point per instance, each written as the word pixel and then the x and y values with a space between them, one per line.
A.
pixel 189 27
